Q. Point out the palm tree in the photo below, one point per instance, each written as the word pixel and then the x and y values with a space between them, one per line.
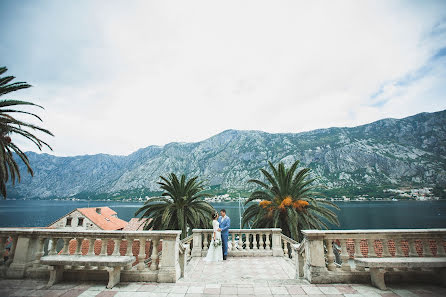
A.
pixel 287 202
pixel 11 126
pixel 180 206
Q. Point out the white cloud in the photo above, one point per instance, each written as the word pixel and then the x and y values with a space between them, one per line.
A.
pixel 116 77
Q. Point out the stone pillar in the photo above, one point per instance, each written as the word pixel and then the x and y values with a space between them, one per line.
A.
pixel 314 257
pixel 198 244
pixel 170 271
pixel 277 243
pixel 23 256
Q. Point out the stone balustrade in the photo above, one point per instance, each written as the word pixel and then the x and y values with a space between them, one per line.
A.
pixel 157 253
pixel 241 242
pixel 327 256
pixel 322 257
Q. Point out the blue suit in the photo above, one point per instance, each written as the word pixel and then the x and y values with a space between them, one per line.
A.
pixel 224 226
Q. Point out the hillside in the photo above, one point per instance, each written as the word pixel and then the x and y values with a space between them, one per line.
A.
pixel 386 153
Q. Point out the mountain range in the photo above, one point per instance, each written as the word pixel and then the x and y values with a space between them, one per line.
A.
pixel 389 153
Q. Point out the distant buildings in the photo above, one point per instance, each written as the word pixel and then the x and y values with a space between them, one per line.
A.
pixel 94 218
pixel 421 194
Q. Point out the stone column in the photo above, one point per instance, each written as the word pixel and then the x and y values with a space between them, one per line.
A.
pixel 277 242
pixel 198 244
pixel 314 257
pixel 23 253
pixel 170 271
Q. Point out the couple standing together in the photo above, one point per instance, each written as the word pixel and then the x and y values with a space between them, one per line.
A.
pixel 218 252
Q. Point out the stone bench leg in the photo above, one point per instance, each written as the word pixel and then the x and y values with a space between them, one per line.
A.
pixel 56 274
pixel 377 277
pixel 114 276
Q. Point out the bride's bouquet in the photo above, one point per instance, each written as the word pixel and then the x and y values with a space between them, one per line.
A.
pixel 217 242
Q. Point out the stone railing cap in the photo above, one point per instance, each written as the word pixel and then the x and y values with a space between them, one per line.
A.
pixel 390 232
pixel 88 233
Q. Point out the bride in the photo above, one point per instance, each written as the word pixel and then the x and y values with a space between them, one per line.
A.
pixel 215 252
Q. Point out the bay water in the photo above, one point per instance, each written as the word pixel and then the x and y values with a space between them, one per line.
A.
pixel 353 215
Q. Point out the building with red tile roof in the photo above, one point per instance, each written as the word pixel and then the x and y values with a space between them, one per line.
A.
pixel 93 218
pixel 135 224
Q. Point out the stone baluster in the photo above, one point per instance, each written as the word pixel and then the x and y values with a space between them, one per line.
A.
pixel 205 242
pixel 398 248
pixel 386 252
pixel 285 248
pixel 66 246
pixel 358 252
pixel 427 252
pixel 233 241
pixel 141 254
pixel 371 248
pixel 103 252
pixel 440 247
pixel 40 252
pixel 240 241
pixel 262 241
pixel 267 242
pixel 399 251
pixel 330 255
pixel 78 246
pixel 117 247
pixel 254 242
pixel 412 248
pixel 91 242
pixel 247 242
pixel 154 256
pixel 129 252
pixel 103 247
pixel 344 256
pixel 52 246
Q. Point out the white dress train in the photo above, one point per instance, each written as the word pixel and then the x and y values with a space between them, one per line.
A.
pixel 215 254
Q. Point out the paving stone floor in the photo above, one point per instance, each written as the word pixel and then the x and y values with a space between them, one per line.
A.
pixel 241 277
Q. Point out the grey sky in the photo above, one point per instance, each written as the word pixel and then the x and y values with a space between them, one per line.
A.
pixel 115 76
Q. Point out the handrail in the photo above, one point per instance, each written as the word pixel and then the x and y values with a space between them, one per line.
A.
pixel 187 239
pixel 69 233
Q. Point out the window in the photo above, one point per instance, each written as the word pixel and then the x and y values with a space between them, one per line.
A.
pixel 69 221
pixel 80 221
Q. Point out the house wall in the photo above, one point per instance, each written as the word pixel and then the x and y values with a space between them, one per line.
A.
pixel 75 215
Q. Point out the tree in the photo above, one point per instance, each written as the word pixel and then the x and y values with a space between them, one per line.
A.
pixel 10 127
pixel 180 206
pixel 287 202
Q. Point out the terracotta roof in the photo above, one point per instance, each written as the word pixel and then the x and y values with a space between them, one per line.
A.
pixel 106 219
pixel 135 224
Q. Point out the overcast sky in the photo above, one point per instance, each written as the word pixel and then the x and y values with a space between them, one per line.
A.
pixel 115 76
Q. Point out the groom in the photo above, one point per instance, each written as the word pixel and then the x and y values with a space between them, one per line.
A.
pixel 224 222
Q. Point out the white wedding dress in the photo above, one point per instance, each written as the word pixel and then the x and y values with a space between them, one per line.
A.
pixel 215 254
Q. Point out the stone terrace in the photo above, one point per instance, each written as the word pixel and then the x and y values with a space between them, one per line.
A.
pixel 262 262
pixel 230 278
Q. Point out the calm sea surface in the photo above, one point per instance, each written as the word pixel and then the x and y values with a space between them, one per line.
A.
pixel 353 215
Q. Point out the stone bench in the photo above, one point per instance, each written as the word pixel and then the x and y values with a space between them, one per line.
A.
pixel 377 276
pixel 113 265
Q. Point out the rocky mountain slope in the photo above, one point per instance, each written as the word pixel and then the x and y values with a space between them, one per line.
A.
pixel 386 153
